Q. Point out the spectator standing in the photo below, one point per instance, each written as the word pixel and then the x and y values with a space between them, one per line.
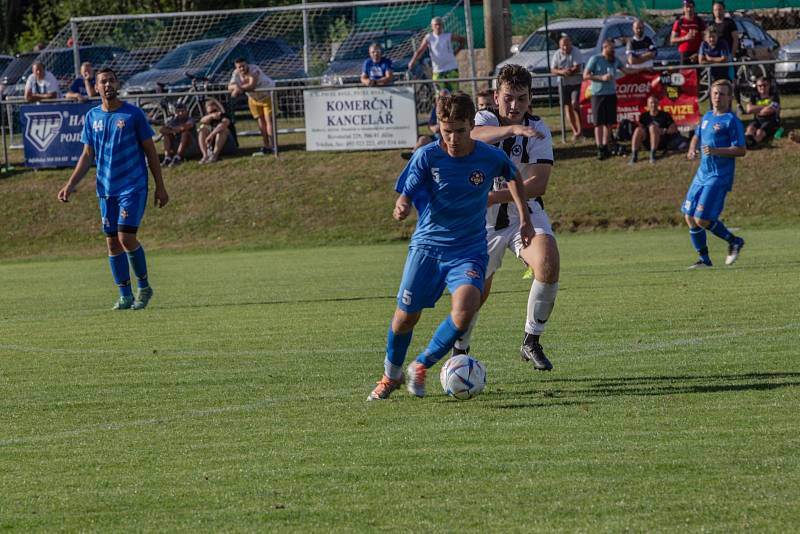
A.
pixel 215 129
pixel 640 50
pixel 726 27
pixel 443 59
pixel 82 88
pixel 566 63
pixel 377 69
pixel 250 80
pixel 41 84
pixel 714 50
pixel 657 129
pixel 687 33
pixel 765 106
pixel 178 134
pixel 601 71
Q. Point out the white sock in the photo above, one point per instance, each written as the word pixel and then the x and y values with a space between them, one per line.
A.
pixel 462 343
pixel 391 370
pixel 541 300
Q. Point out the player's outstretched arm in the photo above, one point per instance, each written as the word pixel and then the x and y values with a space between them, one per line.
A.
pixel 517 189
pixel 418 54
pixel 150 152
pixel 402 207
pixel 81 168
pixel 494 134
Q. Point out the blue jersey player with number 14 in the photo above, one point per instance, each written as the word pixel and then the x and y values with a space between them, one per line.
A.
pixel 721 135
pixel 448 248
pixel 119 139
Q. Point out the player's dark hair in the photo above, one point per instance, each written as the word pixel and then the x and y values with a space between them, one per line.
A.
pixel 454 107
pixel 720 2
pixel 514 77
pixel 486 93
pixel 106 70
pixel 239 60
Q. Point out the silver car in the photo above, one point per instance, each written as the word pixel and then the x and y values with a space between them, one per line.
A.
pixel 789 73
pixel 586 34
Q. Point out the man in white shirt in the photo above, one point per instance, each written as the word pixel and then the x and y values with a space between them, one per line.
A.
pixel 566 63
pixel 41 84
pixel 443 59
pixel 251 80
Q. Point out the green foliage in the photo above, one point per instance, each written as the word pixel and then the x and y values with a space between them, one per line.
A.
pixel 339 29
pixel 581 9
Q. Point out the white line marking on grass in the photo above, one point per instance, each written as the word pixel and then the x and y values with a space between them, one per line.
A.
pixel 171 352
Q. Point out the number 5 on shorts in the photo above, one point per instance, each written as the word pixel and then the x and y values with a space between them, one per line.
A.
pixel 406 297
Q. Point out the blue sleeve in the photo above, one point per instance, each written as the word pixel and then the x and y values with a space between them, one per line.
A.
pixel 737 135
pixel 143 129
pixel 416 172
pixel 697 131
pixel 365 66
pixel 618 63
pixel 703 49
pixel 75 86
pixel 590 64
pixel 86 134
pixel 388 64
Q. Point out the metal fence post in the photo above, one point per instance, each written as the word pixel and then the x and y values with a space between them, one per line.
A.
pixel 306 41
pixel 470 45
pixel 547 52
pixel 5 140
pixel 76 56
pixel 273 119
pixel 561 110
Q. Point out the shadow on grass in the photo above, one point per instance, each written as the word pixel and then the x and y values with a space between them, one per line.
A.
pixel 592 390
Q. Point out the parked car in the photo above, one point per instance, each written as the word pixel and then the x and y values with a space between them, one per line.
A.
pixel 61 62
pixel 213 59
pixel 788 74
pixel 586 34
pixel 399 46
pixel 14 71
pixel 137 60
pixel 4 61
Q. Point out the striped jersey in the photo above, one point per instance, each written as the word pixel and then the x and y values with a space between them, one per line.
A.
pixel 521 150
pixel 116 138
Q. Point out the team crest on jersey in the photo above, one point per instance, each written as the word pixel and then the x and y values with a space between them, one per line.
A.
pixel 472 273
pixel 123 213
pixel 717 126
pixel 435 174
pixel 477 177
pixel 120 123
pixel 516 150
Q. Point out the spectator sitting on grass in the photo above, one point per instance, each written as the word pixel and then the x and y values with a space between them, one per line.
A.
pixel 215 129
pixel 41 84
pixel 82 88
pixel 178 135
pixel 657 130
pixel 765 106
pixel 377 70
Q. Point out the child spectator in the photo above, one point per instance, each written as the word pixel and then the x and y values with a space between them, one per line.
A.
pixel 713 50
pixel 216 133
pixel 179 136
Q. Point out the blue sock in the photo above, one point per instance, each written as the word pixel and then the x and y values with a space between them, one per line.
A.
pixel 396 348
pixel 719 230
pixel 698 237
pixel 139 265
pixel 121 274
pixel 442 341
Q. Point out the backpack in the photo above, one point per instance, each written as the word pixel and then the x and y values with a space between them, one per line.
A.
pixel 625 130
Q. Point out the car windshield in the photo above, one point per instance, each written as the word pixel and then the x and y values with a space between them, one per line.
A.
pixel 357 47
pixel 16 68
pixel 185 55
pixel 583 38
pixel 662 36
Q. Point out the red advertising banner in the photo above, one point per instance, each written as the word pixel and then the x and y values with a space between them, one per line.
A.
pixel 677 92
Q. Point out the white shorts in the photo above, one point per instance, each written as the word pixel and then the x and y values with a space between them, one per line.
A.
pixel 509 238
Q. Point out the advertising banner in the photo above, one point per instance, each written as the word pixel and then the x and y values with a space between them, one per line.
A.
pixel 360 118
pixel 51 133
pixel 677 92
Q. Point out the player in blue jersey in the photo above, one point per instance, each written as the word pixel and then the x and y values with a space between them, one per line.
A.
pixel 117 136
pixel 721 136
pixel 448 248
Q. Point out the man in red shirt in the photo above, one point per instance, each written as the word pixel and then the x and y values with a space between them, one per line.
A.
pixel 687 33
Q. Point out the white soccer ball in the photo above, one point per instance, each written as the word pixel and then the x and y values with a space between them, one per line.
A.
pixel 463 377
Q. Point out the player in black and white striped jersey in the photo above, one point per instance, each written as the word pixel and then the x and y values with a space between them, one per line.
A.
pixel 527 141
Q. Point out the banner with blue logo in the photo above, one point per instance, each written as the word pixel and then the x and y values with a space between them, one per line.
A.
pixel 52 133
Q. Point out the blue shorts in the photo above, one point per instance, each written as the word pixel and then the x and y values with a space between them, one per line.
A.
pixel 123 213
pixel 425 277
pixel 704 201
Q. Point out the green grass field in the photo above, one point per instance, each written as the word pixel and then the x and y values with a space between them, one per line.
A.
pixel 236 402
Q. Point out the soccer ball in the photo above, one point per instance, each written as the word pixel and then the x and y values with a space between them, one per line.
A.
pixel 463 377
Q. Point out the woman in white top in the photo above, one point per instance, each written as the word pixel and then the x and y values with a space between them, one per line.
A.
pixel 443 59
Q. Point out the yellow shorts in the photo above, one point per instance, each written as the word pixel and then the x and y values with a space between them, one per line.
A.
pixel 260 108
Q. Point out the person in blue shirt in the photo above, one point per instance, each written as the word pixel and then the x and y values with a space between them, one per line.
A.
pixel 715 50
pixel 377 70
pixel 82 88
pixel 448 247
pixel 117 136
pixel 720 135
pixel 601 70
